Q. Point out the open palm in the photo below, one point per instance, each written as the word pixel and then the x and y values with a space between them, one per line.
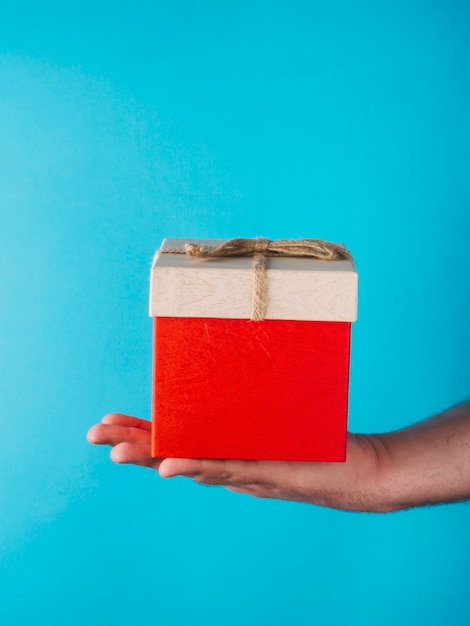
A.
pixel 329 484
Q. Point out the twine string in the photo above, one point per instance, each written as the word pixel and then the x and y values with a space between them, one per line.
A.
pixel 260 249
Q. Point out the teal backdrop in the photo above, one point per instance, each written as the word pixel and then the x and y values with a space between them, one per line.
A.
pixel 125 122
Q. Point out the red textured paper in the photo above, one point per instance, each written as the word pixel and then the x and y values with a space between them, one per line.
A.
pixel 276 389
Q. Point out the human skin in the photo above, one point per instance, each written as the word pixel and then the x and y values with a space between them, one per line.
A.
pixel 423 464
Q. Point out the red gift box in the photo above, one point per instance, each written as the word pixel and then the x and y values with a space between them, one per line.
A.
pixel 225 386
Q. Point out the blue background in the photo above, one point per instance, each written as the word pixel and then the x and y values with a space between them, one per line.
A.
pixel 122 123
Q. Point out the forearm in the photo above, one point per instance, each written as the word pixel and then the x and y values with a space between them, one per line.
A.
pixel 427 463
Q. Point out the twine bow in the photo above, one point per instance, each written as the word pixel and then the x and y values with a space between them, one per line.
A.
pixel 261 248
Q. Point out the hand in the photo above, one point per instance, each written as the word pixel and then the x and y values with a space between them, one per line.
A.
pixel 426 463
pixel 348 486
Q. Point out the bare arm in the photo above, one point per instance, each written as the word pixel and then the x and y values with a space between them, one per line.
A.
pixel 427 463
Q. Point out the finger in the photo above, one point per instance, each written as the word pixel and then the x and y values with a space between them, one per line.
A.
pixel 179 467
pixel 111 435
pixel 119 419
pixel 220 471
pixel 246 490
pixel 213 471
pixel 135 454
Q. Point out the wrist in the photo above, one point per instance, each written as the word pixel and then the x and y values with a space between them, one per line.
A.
pixel 375 484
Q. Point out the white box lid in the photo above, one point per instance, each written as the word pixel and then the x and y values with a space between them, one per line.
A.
pixel 298 288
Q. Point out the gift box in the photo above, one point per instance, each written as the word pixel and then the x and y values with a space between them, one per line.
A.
pixel 230 382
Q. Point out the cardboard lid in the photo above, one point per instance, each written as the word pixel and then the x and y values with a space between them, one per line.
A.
pixel 298 288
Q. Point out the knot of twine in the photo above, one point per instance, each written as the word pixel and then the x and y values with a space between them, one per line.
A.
pixel 261 248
